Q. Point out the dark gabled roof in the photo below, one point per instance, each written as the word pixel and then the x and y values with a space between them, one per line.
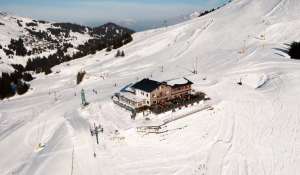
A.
pixel 146 85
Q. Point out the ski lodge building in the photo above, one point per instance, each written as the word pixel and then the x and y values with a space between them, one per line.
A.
pixel 147 93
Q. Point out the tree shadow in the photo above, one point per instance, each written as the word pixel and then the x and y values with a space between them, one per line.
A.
pixel 282 50
pixel 280 54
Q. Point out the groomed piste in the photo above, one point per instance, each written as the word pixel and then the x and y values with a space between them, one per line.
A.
pixel 252 126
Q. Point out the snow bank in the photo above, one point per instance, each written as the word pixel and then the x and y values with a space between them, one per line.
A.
pixel 6 68
pixel 254 80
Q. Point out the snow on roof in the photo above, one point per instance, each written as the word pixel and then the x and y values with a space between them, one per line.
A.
pixel 179 81
pixel 127 88
pixel 132 97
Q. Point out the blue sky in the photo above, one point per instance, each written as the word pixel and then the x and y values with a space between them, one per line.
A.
pixel 100 11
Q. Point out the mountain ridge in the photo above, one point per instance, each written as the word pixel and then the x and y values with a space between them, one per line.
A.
pixel 37 46
pixel 32 30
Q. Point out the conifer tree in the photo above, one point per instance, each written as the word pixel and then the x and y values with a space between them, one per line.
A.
pixel 294 50
pixel 118 53
pixel 122 53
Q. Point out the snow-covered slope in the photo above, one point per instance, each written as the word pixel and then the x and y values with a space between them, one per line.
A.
pixel 253 129
pixel 15 27
pixel 41 38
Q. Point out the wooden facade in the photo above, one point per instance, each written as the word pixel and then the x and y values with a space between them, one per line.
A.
pixel 161 94
pixel 181 91
pixel 149 92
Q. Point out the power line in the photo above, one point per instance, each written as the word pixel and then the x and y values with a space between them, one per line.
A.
pixel 72 165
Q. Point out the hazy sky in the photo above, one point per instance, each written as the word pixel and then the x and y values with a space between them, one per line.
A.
pixel 100 11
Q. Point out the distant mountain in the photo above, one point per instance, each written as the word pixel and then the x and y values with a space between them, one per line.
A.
pixel 111 28
pixel 41 37
pixel 146 25
pixel 32 45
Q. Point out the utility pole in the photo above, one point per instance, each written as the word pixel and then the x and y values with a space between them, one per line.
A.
pixel 196 66
pixel 244 50
pixel 55 97
pixel 72 165
pixel 83 100
pixel 96 131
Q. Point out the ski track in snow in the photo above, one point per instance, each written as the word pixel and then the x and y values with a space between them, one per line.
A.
pixel 280 4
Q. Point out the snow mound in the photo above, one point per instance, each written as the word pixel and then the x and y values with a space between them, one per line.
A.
pixel 255 80
pixel 194 15
pixel 5 68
